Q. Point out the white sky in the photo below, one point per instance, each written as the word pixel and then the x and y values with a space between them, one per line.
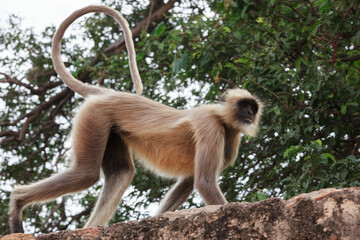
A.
pixel 41 13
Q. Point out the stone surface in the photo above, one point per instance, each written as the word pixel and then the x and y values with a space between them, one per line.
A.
pixel 325 214
pixel 18 236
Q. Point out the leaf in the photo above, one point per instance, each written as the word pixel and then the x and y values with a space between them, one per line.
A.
pixel 261 196
pixel 277 111
pixel 260 20
pixel 242 15
pixel 298 64
pixel 227 29
pixel 100 64
pixel 246 83
pixel 292 151
pixel 343 174
pixel 183 61
pixel 322 175
pixel 230 65
pixel 160 29
pixel 179 64
pixel 204 59
pixel 328 155
pixel 343 109
pixel 175 65
pixel 241 60
pixel 355 104
pixel 356 37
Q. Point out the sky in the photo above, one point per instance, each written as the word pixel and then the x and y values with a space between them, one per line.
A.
pixel 41 13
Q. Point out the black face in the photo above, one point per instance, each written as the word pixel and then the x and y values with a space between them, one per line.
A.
pixel 247 109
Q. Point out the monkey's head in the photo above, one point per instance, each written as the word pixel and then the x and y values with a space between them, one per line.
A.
pixel 241 110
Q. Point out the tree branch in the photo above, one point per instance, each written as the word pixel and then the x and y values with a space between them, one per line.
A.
pixel 35 91
pixel 150 13
pixel 294 9
pixel 119 45
pixel 350 58
pixel 31 116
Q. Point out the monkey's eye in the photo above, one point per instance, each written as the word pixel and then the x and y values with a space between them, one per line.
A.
pixel 243 104
pixel 254 108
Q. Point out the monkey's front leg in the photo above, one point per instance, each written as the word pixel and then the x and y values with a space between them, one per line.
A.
pixel 208 162
pixel 210 191
pixel 177 195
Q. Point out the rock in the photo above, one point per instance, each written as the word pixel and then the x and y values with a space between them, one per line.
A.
pixel 325 214
pixel 18 236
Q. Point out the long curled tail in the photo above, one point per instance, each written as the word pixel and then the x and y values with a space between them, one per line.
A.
pixel 67 78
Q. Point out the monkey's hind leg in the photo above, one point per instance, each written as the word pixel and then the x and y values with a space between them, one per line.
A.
pixel 71 180
pixel 119 169
pixel 177 195
pixel 90 137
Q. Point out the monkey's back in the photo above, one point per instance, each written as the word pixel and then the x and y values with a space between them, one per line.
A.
pixel 158 134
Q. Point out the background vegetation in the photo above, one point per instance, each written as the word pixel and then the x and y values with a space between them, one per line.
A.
pixel 301 57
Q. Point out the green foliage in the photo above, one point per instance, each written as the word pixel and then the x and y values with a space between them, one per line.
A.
pixel 319 169
pixel 301 58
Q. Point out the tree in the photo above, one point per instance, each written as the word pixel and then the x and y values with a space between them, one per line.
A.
pixel 302 58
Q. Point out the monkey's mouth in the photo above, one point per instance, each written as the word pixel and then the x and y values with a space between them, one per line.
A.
pixel 247 120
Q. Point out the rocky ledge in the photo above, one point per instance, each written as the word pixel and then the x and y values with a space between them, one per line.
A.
pixel 325 214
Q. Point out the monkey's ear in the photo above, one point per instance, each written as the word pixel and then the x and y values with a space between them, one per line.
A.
pixel 222 98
